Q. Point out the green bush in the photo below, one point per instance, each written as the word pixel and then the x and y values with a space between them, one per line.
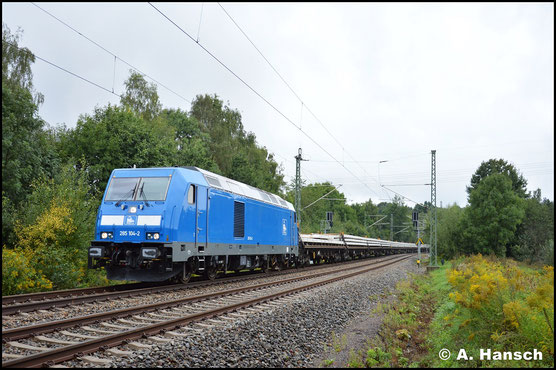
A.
pixel 377 357
pixel 54 230
pixel 19 275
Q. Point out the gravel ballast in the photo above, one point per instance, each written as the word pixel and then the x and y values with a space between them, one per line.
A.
pixel 293 334
pixel 58 313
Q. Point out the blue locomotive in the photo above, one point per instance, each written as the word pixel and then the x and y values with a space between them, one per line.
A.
pixel 157 224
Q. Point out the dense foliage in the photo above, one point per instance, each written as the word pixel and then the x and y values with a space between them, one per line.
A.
pixel 500 219
pixel 114 137
pixel 27 148
pixel 492 217
pixel 499 166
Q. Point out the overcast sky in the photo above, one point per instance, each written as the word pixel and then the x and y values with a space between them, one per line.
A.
pixel 369 82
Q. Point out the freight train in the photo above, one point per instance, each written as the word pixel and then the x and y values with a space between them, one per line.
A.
pixel 159 224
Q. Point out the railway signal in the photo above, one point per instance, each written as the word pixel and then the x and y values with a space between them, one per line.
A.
pixel 329 216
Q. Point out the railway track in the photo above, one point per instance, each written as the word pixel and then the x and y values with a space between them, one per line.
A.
pixel 128 325
pixel 56 294
pixel 47 300
pixel 8 302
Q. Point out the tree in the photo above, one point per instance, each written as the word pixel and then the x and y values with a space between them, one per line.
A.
pixel 16 63
pixel 114 137
pixel 235 151
pixel 449 231
pixel 255 166
pixel 422 209
pixel 492 166
pixel 192 144
pixel 537 229
pixel 141 97
pixel 401 220
pixel 21 132
pixel 27 148
pixel 215 116
pixel 313 210
pixel 55 228
pixel 492 217
pixel 366 215
pixel 224 127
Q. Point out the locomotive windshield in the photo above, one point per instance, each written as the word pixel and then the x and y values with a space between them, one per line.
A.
pixel 138 188
pixel 153 188
pixel 122 188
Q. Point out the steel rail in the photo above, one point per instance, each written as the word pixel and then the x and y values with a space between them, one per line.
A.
pixel 72 300
pixel 69 352
pixel 128 290
pixel 29 330
pixel 13 299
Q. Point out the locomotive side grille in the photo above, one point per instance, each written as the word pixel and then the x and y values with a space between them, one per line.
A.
pixel 239 220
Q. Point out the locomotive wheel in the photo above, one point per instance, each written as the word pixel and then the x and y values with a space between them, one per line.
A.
pixel 184 279
pixel 211 273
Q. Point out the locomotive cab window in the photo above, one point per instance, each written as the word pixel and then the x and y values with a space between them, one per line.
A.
pixel 191 194
pixel 153 188
pixel 138 188
pixel 121 188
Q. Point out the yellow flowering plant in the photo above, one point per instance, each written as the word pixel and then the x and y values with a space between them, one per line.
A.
pixel 517 305
pixel 18 274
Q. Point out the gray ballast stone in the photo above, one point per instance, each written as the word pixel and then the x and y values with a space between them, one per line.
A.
pixel 288 335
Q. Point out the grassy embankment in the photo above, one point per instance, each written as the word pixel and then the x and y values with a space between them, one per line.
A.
pixel 470 303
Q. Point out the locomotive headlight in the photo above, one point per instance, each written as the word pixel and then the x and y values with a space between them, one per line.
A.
pixel 154 236
pixel 132 209
pixel 106 235
pixel 150 252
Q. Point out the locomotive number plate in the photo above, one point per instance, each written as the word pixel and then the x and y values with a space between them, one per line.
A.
pixel 130 233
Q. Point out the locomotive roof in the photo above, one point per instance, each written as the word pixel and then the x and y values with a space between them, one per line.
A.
pixel 233 186
pixel 217 181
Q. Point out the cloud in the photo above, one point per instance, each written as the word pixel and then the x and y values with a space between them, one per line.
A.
pixel 473 81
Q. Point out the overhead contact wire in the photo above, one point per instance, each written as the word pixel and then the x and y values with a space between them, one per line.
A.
pixel 63 69
pixel 111 53
pixel 297 96
pixel 252 89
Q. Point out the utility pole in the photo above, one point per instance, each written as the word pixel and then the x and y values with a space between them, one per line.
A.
pixel 297 202
pixel 433 242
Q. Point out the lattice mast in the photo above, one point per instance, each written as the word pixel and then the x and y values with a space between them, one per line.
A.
pixel 433 241
pixel 297 202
